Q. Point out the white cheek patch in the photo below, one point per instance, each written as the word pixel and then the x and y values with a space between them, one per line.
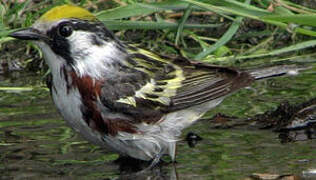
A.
pixel 90 58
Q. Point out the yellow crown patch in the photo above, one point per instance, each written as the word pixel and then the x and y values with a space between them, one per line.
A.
pixel 67 11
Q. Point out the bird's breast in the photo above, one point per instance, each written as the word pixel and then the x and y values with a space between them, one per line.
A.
pixel 70 104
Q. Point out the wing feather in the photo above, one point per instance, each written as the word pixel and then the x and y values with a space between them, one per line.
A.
pixel 169 85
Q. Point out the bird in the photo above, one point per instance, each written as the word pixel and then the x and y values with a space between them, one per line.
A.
pixel 129 100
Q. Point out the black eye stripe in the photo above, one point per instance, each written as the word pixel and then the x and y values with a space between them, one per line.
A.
pixel 59 44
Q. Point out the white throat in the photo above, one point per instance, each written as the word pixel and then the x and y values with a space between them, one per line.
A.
pixel 53 61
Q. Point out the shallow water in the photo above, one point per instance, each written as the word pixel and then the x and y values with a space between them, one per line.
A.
pixel 35 142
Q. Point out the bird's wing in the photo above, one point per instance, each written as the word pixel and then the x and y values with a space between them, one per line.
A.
pixel 152 85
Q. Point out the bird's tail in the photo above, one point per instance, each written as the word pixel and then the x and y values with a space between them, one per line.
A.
pixel 279 70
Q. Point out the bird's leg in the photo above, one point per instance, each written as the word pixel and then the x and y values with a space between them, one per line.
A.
pixel 155 161
pixel 172 151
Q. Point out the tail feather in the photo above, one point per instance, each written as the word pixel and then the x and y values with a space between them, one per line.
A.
pixel 273 71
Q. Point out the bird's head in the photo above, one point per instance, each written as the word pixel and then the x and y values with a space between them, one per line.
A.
pixel 71 36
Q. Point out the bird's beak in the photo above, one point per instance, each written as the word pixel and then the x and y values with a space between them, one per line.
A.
pixel 28 34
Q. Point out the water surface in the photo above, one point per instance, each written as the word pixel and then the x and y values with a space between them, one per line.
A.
pixel 36 143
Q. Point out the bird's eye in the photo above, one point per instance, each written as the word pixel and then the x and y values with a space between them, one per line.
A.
pixel 65 30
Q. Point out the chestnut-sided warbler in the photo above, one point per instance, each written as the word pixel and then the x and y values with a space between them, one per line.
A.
pixel 119 96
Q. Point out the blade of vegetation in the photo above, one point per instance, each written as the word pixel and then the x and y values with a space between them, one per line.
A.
pixel 197 38
pixel 182 22
pixel 302 19
pixel 293 29
pixel 140 9
pixel 6 32
pixel 296 7
pixel 224 39
pixel 231 7
pixel 120 25
pixel 282 11
pixel 292 48
pixel 4 39
pixel 3 31
pixel 2 12
pixel 20 89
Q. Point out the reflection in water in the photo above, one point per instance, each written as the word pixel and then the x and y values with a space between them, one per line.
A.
pixel 160 171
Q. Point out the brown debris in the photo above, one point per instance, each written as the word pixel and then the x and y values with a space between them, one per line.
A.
pixel 293 122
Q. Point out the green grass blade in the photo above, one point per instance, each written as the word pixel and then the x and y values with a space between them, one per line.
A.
pixel 230 7
pixel 122 24
pixel 140 9
pixel 302 19
pixel 182 22
pixel 223 40
pixel 295 47
pixel 294 29
pixel 292 48
pixel 22 89
pixel 124 12
pixel 297 7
